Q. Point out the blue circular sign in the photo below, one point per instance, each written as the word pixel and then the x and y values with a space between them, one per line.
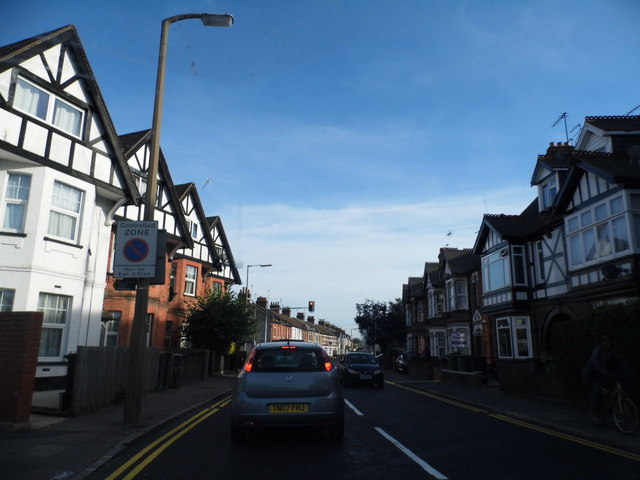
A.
pixel 136 250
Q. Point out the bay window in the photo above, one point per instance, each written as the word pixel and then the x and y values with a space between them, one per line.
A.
pixel 6 299
pixel 56 310
pixel 190 280
pixel 15 202
pixel 599 232
pixel 64 217
pixel 496 270
pixel 514 337
pixel 457 295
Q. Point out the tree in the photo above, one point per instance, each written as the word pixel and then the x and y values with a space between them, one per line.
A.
pixel 217 320
pixel 382 324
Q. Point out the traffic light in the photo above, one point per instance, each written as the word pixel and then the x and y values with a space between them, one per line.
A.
pixel 312 305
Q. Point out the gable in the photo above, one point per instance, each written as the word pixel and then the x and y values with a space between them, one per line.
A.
pixel 52 113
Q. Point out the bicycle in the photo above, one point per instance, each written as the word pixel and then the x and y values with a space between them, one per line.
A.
pixel 622 408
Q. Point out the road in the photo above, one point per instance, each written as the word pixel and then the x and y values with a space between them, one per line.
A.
pixel 396 432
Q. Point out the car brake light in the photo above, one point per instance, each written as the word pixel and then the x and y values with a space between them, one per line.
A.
pixel 288 347
pixel 328 366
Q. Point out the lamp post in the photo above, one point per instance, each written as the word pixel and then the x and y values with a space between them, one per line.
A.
pixel 246 295
pixel 135 372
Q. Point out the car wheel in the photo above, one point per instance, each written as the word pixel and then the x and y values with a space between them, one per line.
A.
pixel 237 435
pixel 336 432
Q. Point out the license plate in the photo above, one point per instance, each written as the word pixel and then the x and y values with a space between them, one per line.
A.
pixel 366 377
pixel 288 408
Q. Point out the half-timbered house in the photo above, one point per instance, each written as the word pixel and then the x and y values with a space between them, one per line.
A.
pixel 575 245
pixel 62 178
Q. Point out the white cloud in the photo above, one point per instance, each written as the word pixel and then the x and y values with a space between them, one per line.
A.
pixel 340 257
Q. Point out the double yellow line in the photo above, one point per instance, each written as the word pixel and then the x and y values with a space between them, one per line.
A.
pixel 138 462
pixel 572 438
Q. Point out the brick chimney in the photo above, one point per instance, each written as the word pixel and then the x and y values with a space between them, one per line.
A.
pixel 262 302
pixel 300 315
pixel 311 319
pixel 286 311
pixel 275 306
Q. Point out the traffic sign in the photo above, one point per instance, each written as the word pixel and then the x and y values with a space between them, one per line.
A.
pixel 135 249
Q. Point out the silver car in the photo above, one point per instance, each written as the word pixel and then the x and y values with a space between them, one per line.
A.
pixel 287 384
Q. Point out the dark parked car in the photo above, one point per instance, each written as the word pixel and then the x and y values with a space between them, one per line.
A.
pixel 287 384
pixel 361 368
pixel 402 362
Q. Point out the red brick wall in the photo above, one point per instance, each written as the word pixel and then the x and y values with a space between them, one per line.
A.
pixel 19 346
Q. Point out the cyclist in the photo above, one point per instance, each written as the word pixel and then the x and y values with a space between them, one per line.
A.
pixel 603 369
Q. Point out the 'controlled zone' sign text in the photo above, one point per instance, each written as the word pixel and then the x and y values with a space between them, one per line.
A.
pixel 135 252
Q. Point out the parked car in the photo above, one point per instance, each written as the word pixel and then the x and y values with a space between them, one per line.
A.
pixel 402 362
pixel 361 368
pixel 287 384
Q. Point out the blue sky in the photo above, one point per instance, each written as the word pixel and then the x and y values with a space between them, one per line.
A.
pixel 343 140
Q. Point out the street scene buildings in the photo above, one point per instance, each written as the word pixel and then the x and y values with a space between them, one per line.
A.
pixel 67 177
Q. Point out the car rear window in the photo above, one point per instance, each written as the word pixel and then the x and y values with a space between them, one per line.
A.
pixel 361 358
pixel 288 360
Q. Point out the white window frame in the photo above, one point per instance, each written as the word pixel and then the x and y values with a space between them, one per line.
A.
pixel 457 294
pixel 7 296
pixel 59 210
pixel 548 192
pixel 190 280
pixel 55 321
pixel 436 303
pixel 49 113
pixel 513 335
pixel 591 232
pixel 16 196
pixel 499 260
pixel 111 329
pixel 438 342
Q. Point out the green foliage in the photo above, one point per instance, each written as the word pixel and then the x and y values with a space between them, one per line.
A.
pixel 382 323
pixel 573 341
pixel 217 320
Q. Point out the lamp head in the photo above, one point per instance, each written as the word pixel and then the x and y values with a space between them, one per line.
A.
pixel 216 20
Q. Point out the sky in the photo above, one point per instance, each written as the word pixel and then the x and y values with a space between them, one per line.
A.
pixel 345 142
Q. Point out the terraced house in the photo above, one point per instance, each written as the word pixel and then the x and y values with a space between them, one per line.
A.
pixel 577 244
pixel 66 177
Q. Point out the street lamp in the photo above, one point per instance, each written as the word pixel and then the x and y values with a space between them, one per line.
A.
pixel 246 297
pixel 133 397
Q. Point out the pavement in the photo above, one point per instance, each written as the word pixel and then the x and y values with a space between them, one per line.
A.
pixel 59 448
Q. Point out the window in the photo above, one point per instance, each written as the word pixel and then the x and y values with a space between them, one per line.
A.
pixel 599 232
pixel 519 273
pixel 548 191
pixel 457 295
pixel 56 310
pixel 64 218
pixel 190 280
pixel 514 337
pixel 47 107
pixel 6 299
pixel 495 270
pixel 16 200
pixel 194 230
pixel 110 329
pixel 438 343
pixel 436 303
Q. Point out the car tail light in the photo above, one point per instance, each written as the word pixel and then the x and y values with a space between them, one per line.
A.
pixel 328 366
pixel 248 365
pixel 327 361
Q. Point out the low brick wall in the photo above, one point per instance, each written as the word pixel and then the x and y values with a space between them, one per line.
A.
pixel 19 346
